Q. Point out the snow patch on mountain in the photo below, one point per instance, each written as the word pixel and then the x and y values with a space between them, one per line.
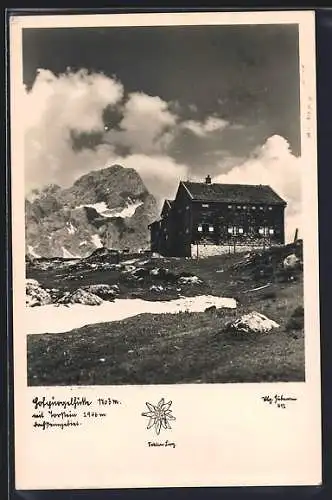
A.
pixel 71 229
pixel 95 238
pixel 127 211
pixel 32 252
pixel 103 209
pixel 67 255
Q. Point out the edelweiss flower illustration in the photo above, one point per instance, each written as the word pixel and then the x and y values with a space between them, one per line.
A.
pixel 159 415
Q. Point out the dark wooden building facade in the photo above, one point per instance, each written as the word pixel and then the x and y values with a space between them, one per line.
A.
pixel 218 215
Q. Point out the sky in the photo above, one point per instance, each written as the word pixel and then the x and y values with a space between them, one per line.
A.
pixel 172 102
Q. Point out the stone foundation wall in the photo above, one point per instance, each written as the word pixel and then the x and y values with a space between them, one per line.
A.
pixel 209 250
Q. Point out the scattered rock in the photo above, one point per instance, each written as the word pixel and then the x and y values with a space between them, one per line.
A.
pixel 127 268
pixel 291 261
pixel 32 282
pixel 35 295
pixel 185 274
pixel 163 273
pixel 80 296
pixel 105 292
pixel 191 280
pixel 154 272
pixel 156 288
pixel 253 322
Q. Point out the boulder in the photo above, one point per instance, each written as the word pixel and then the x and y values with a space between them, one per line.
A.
pixel 127 268
pixel 253 322
pixel 32 282
pixel 105 292
pixel 155 271
pixel 156 288
pixel 80 296
pixel 291 261
pixel 190 280
pixel 35 295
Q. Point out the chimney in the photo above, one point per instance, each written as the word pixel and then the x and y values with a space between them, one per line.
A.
pixel 208 180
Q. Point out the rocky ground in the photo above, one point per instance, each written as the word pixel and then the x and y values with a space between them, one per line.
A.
pixel 261 340
pixel 60 281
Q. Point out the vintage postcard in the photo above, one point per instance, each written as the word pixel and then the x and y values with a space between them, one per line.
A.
pixel 165 250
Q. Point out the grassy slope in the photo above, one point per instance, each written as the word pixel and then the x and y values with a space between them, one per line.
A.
pixel 182 348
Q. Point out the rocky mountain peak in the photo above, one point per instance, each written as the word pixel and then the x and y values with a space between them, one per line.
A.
pixel 107 207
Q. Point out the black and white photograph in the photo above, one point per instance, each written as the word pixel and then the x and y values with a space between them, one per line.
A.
pixel 165 250
pixel 163 207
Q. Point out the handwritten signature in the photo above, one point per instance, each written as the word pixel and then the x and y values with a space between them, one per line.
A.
pixel 279 400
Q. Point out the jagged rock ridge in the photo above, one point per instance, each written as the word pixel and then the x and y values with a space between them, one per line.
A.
pixel 109 207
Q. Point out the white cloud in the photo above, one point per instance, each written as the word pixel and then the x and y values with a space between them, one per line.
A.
pixel 56 106
pixel 71 100
pixel 275 165
pixel 202 129
pixel 146 124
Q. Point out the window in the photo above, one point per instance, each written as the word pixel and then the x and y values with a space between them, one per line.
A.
pixel 270 208
pixel 229 206
pixel 238 207
pixel 265 231
pixel 187 231
pixel 235 230
pixel 205 205
pixel 261 208
pixel 211 228
pixel 253 208
pixel 200 228
pixel 166 237
pixel 187 207
pixel 244 207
